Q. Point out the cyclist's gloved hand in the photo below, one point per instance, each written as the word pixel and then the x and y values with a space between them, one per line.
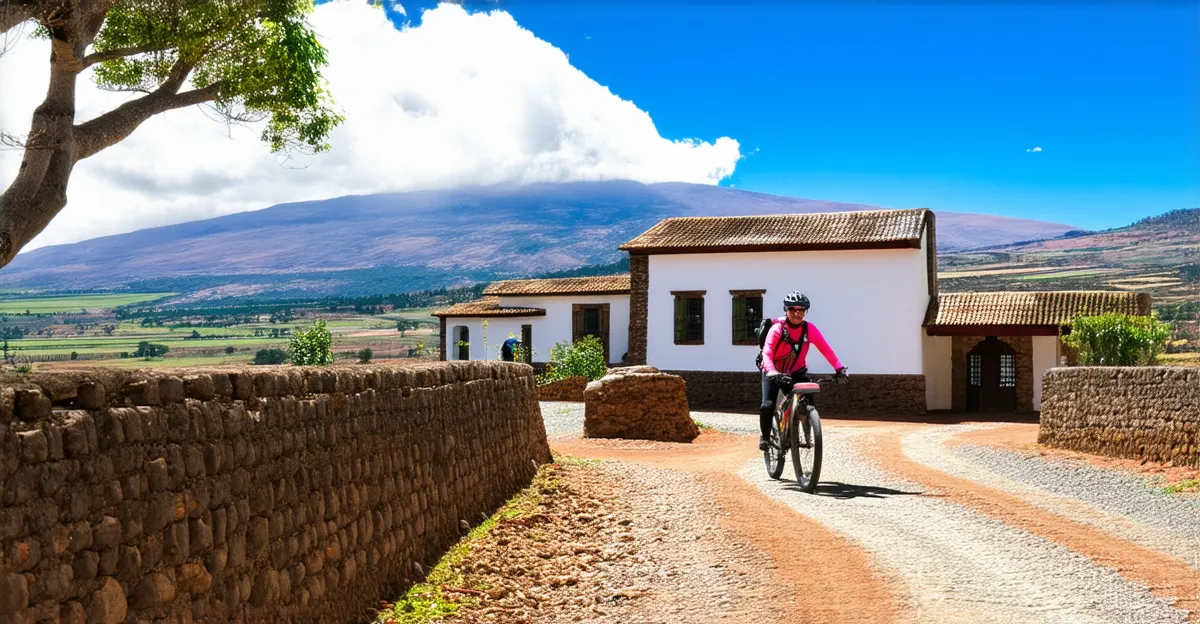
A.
pixel 785 381
pixel 841 376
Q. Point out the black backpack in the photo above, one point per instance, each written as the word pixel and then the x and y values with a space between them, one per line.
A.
pixel 764 328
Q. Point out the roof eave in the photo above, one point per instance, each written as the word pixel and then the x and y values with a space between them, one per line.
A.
pixel 903 243
pixel 993 330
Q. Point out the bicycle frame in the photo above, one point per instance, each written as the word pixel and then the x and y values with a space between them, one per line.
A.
pixel 791 399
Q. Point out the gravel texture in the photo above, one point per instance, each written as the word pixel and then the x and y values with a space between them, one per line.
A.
pixel 618 542
pixel 563 419
pixel 958 565
pixel 1130 506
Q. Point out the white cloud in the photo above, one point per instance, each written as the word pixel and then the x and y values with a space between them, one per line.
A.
pixel 1034 149
pixel 461 99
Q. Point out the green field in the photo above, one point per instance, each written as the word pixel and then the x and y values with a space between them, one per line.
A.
pixel 74 303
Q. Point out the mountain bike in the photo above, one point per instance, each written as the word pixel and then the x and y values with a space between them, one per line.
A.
pixel 796 427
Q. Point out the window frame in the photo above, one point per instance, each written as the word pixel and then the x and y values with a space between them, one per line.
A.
pixel 751 337
pixel 684 296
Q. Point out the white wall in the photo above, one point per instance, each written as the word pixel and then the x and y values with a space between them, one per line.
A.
pixel 556 325
pixel 1045 357
pixel 939 375
pixel 869 304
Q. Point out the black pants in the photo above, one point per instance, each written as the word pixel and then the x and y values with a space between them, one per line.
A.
pixel 770 390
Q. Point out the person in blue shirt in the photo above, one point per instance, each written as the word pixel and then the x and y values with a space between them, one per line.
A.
pixel 509 349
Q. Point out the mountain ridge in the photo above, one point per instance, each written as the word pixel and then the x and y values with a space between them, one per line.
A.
pixel 360 243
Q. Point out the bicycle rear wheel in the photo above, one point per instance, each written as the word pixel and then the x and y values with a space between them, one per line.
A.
pixel 806 447
pixel 773 457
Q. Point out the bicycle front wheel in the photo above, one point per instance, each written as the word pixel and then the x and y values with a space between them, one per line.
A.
pixel 773 456
pixel 806 447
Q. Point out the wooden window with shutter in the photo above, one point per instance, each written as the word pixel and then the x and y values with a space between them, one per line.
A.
pixel 689 317
pixel 591 319
pixel 747 314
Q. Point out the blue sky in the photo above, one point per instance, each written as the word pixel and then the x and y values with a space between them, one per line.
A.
pixel 932 104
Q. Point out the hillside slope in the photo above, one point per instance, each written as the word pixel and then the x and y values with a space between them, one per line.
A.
pixel 426 239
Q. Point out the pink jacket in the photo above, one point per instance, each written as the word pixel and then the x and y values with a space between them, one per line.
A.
pixel 777 352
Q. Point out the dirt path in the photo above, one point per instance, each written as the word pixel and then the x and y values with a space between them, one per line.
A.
pixel 828 578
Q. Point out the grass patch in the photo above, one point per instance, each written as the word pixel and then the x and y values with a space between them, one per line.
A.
pixel 571 460
pixel 704 427
pixel 428 601
pixel 1183 486
pixel 75 303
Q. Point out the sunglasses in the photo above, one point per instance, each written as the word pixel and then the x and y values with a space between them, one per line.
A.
pixel 797 309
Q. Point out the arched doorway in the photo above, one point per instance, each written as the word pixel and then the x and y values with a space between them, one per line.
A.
pixel 992 377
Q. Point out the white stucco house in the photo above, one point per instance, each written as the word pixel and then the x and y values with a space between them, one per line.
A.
pixel 698 287
pixel 540 312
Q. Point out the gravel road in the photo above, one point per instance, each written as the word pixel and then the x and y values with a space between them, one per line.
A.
pixel 948 561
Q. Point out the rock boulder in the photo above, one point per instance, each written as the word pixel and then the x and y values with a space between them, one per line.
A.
pixel 638 403
pixel 569 389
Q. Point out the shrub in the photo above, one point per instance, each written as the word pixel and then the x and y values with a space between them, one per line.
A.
pixel 584 358
pixel 364 356
pixel 270 356
pixel 1118 339
pixel 74 355
pixel 230 350
pixel 312 347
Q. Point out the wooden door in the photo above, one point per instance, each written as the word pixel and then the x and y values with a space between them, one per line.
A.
pixel 593 319
pixel 991 377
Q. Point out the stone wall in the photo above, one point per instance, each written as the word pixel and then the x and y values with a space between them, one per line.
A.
pixel 1145 413
pixel 639 307
pixel 865 395
pixel 1022 360
pixel 258 495
pixel 569 389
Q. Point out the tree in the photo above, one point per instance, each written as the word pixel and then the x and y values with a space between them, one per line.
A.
pixel 1118 339
pixel 250 60
pixel 406 325
pixel 150 349
pixel 364 356
pixel 312 347
pixel 230 350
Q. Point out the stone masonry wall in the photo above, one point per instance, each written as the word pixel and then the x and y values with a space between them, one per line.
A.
pixel 254 495
pixel 639 307
pixel 1145 413
pixel 865 395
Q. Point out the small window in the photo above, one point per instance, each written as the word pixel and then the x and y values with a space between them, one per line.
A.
pixel 747 314
pixel 1008 372
pixel 689 317
pixel 975 369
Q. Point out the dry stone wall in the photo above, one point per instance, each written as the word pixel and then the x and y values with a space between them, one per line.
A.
pixel 290 494
pixel 1150 413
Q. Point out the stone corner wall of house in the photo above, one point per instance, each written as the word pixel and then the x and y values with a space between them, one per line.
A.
pixel 264 494
pixel 639 307
pixel 865 395
pixel 1144 413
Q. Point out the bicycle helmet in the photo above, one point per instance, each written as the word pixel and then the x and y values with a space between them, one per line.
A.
pixel 795 298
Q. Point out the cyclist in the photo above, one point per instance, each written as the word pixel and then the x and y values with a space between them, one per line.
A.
pixel 784 354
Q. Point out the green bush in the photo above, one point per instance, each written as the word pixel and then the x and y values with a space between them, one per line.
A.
pixel 312 347
pixel 230 350
pixel 584 358
pixel 364 356
pixel 271 356
pixel 1118 339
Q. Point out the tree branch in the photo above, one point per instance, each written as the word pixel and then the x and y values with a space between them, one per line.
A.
pixel 112 127
pixel 14 12
pixel 116 53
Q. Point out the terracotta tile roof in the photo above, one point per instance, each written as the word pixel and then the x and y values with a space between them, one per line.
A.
pixel 866 229
pixel 1029 309
pixel 601 284
pixel 488 306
